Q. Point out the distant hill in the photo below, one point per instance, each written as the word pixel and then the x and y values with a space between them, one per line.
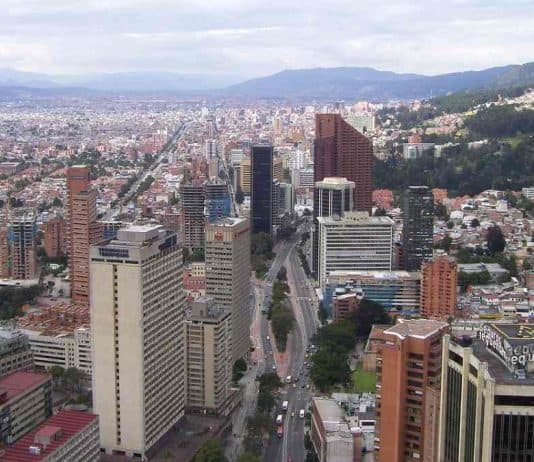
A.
pixel 301 84
pixel 366 83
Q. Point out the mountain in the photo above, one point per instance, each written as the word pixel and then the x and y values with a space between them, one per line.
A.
pixel 366 83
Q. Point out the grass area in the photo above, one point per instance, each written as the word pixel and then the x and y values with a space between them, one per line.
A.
pixel 514 140
pixel 363 382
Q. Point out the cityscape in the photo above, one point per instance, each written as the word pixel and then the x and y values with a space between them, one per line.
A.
pixel 325 263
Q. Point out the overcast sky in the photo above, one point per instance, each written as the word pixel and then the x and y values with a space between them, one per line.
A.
pixel 246 38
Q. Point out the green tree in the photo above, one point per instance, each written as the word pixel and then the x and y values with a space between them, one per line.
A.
pixel 329 368
pixel 282 274
pixel 74 379
pixel 270 381
pixel 261 244
pixel 210 451
pixel 57 202
pixel 248 457
pixel 495 239
pixel 266 402
pixel 367 314
pixel 239 369
pixel 57 373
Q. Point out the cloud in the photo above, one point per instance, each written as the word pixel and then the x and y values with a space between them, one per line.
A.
pixel 247 38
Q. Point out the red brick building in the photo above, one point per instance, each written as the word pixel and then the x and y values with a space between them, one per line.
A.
pixel 439 278
pixel 342 151
pixel 54 237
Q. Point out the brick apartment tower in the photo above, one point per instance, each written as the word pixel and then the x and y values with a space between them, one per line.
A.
pixel 82 229
pixel 342 151
pixel 408 367
pixel 439 278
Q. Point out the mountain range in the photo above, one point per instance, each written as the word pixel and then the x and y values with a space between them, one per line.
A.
pixel 303 84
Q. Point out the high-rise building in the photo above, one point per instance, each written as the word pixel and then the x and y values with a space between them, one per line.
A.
pixel 261 189
pixel 208 357
pixel 439 278
pixel 228 276
pixel 218 201
pixel 276 205
pixel 333 196
pixel 418 226
pixel 137 324
pixel 246 175
pixel 354 242
pixel 211 149
pixel 287 198
pixel 278 169
pixel 22 234
pixel 5 259
pixel 408 373
pixel 487 396
pixel 193 216
pixel 82 229
pixel 54 236
pixel 342 151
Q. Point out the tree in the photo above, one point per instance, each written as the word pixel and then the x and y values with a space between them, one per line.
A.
pixel 74 379
pixel 57 373
pixel 210 451
pixel 57 202
pixel 495 239
pixel 475 223
pixel 328 369
pixel 450 224
pixel 261 244
pixel 282 274
pixel 239 196
pixel 367 314
pixel 270 381
pixel 323 315
pixel 248 457
pixel 239 369
pixel 266 402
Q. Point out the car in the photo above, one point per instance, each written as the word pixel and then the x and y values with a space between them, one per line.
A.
pixel 294 385
pixel 293 414
pixel 268 338
pixel 273 367
pixel 308 385
pixel 301 413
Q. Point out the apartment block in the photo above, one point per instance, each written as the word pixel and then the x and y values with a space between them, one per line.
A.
pixel 25 402
pixel 22 234
pixel 15 352
pixel 208 357
pixel 228 276
pixel 439 280
pixel 193 216
pixel 54 236
pixel 246 175
pixel 138 342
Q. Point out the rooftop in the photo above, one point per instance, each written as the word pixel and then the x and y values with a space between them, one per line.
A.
pixel 69 422
pixel 228 221
pixel 18 383
pixel 61 318
pixel 331 414
pixel 417 328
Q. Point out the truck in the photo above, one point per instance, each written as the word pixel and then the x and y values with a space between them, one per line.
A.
pixel 280 431
pixel 279 419
pixel 285 405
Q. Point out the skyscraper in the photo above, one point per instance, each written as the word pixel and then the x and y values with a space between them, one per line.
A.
pixel 487 396
pixel 408 371
pixel 342 151
pixel 22 233
pixel 418 226
pixel 439 278
pixel 193 216
pixel 218 201
pixel 261 189
pixel 137 325
pixel 82 229
pixel 333 196
pixel 228 276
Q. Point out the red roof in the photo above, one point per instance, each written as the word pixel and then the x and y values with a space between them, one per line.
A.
pixel 20 382
pixel 70 422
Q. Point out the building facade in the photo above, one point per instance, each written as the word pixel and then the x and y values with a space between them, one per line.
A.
pixel 354 242
pixel 22 234
pixel 418 226
pixel 439 278
pixel 261 189
pixel 208 357
pixel 408 366
pixel 342 151
pixel 193 216
pixel 15 352
pixel 333 196
pixel 245 175
pixel 228 276
pixel 137 321
pixel 54 236
pixel 487 396
pixel 82 229
pixel 218 201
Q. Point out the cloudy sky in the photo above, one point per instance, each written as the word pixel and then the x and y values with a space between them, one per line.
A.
pixel 247 38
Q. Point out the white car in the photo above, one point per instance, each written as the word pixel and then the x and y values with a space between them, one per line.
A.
pixel 273 367
pixel 301 413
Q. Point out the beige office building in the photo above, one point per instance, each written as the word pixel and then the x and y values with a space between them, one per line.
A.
pixel 228 276
pixel 246 178
pixel 137 321
pixel 209 357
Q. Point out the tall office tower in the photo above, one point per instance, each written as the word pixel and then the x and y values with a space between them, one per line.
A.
pixel 278 169
pixel 418 226
pixel 22 234
pixel 137 325
pixel 211 149
pixel 261 189
pixel 408 366
pixel 5 259
pixel 218 201
pixel 228 276
pixel 287 198
pixel 487 396
pixel 246 175
pixel 333 196
pixel 276 205
pixel 439 278
pixel 356 242
pixel 342 151
pixel 193 216
pixel 208 357
pixel 82 229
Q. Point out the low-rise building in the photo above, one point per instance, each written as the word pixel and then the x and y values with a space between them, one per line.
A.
pixel 25 402
pixel 66 436
pixel 15 352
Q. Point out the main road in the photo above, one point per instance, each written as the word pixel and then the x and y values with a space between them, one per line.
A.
pixel 291 445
